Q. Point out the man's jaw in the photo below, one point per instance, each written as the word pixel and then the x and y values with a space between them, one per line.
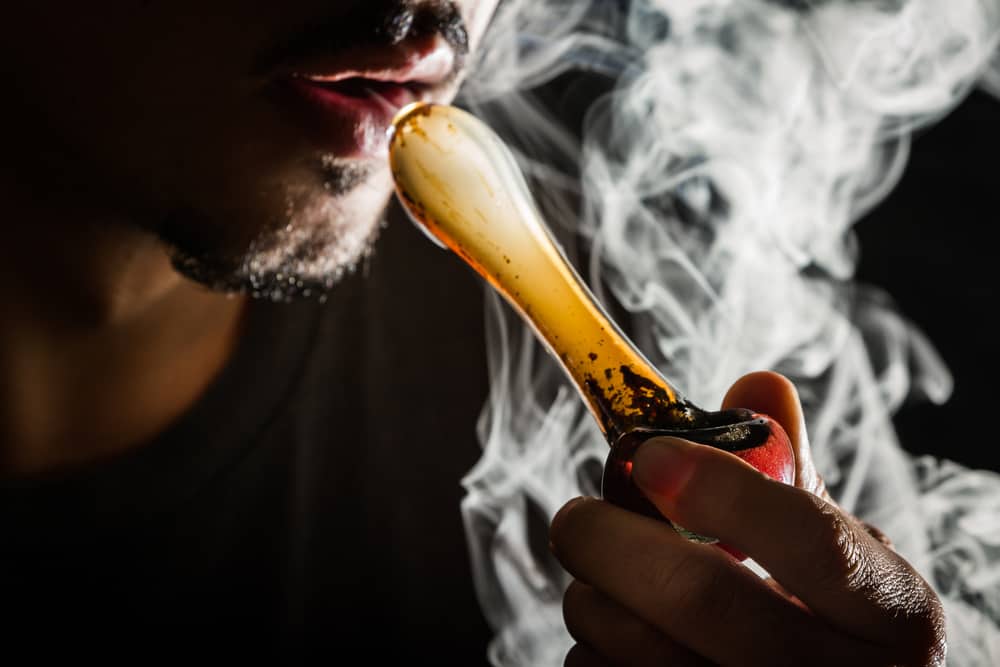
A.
pixel 331 221
pixel 338 85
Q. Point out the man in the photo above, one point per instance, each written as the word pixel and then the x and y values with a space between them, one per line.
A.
pixel 187 468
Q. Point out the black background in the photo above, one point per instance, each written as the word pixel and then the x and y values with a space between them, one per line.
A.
pixel 932 246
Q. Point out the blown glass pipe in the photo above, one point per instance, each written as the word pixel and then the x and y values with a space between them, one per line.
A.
pixel 460 183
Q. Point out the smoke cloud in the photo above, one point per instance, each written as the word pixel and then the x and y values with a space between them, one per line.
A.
pixel 711 190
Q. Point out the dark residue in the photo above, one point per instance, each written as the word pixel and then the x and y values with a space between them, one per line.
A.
pixel 641 405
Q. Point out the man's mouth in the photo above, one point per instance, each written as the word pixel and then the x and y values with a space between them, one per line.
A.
pixel 346 101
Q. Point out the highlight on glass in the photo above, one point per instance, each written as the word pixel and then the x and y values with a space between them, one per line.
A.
pixel 462 186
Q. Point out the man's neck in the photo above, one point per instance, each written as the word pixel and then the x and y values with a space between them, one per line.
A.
pixel 102 344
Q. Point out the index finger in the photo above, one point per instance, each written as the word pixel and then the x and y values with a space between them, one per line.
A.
pixel 693 593
pixel 840 571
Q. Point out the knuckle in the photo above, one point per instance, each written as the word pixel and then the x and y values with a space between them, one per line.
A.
pixel 593 621
pixel 715 601
pixel 695 593
pixel 835 554
pixel 664 577
pixel 922 633
pixel 933 648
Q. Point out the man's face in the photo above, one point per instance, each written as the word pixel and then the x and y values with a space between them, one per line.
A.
pixel 249 137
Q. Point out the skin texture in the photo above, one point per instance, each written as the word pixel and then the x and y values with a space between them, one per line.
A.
pixel 642 595
pixel 146 160
pixel 143 153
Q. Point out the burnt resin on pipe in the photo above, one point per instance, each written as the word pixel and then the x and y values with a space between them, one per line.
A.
pixel 462 186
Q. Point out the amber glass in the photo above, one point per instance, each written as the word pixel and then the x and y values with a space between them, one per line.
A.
pixel 460 183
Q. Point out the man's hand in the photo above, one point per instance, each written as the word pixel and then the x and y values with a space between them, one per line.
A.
pixel 643 595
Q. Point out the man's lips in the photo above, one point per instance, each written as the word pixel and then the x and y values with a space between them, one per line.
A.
pixel 428 61
pixel 346 101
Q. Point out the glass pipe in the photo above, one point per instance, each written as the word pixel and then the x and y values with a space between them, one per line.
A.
pixel 461 185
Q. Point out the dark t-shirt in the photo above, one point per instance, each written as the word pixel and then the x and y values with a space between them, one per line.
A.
pixel 307 504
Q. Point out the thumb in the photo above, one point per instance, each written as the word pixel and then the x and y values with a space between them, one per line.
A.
pixel 774 395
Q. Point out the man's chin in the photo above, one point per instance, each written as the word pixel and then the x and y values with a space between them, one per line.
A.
pixel 328 227
pixel 289 267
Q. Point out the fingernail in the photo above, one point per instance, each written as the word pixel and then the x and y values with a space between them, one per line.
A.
pixel 663 466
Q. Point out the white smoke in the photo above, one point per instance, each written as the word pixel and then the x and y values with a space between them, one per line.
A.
pixel 713 189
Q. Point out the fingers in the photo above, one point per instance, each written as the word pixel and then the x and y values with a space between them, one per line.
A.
pixel 817 552
pixel 612 631
pixel 692 593
pixel 775 395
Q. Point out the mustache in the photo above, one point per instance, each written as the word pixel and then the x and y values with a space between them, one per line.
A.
pixel 379 23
